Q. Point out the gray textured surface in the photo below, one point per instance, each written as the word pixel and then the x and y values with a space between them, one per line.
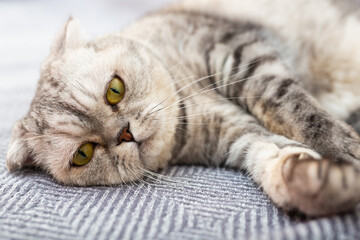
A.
pixel 202 203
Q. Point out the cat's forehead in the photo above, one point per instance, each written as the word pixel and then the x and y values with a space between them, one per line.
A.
pixel 86 64
pixel 86 71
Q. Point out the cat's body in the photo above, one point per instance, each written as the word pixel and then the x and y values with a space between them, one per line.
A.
pixel 222 83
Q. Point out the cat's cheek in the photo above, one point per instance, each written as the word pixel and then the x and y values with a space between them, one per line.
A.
pixel 155 154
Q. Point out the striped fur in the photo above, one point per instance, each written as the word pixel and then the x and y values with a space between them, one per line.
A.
pixel 201 88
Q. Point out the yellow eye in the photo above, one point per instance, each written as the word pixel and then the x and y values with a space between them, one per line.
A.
pixel 83 154
pixel 115 91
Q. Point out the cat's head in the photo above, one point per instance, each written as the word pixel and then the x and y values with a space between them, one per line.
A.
pixel 89 97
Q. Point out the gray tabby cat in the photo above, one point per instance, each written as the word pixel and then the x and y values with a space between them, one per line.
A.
pixel 265 86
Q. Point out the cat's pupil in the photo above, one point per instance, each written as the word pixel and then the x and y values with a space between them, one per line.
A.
pixel 115 91
pixel 82 153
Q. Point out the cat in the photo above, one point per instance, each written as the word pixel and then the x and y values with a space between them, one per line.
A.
pixel 264 86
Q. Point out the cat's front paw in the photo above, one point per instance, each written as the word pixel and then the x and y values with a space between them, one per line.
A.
pixel 320 186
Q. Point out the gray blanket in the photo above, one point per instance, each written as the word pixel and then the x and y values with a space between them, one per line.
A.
pixel 190 203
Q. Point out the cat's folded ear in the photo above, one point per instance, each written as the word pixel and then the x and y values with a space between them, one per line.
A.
pixel 18 155
pixel 71 36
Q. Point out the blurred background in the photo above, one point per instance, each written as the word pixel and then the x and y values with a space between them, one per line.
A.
pixel 27 28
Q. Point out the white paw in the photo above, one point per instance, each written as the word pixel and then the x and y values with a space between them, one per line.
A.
pixel 320 186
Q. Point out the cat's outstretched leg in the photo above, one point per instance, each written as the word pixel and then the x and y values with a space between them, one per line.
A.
pixel 287 109
pixel 296 177
pixel 318 183
pixel 292 174
pixel 267 89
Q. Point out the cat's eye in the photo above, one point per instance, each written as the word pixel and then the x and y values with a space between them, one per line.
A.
pixel 83 154
pixel 115 91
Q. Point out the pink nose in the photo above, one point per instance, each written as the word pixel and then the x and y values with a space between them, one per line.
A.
pixel 125 135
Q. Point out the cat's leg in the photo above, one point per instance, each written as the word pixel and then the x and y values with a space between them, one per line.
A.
pixel 295 176
pixel 320 177
pixel 286 108
pixel 268 90
pixel 292 174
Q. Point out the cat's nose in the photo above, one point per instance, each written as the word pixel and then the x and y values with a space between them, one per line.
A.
pixel 125 135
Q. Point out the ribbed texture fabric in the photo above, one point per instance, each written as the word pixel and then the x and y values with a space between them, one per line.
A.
pixel 198 203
